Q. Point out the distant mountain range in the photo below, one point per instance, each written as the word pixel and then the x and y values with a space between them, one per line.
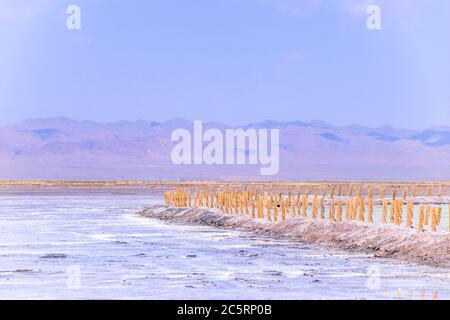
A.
pixel 61 148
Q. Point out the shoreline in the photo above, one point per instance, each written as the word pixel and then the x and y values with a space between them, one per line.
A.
pixel 237 182
pixel 384 241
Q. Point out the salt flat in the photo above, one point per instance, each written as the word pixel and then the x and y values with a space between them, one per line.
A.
pixel 48 237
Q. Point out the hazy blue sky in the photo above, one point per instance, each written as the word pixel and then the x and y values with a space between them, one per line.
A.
pixel 235 61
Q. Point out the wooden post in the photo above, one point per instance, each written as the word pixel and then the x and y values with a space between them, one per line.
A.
pixel 240 204
pixel 384 209
pixel 322 207
pixel 355 208
pixel 421 216
pixel 339 210
pixel 331 210
pixel 361 209
pixel 305 205
pixel 314 207
pixel 260 207
pixel 347 210
pixel 427 215
pixel 189 198
pixel 211 204
pixel 299 204
pixel 293 207
pixel 275 205
pixel 410 214
pixel 433 219
pixel 392 212
pixel 268 203
pixel 252 204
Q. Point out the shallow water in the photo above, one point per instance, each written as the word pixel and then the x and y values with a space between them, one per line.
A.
pixel 95 246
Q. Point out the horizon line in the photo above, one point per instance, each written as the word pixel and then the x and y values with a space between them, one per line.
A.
pixel 314 122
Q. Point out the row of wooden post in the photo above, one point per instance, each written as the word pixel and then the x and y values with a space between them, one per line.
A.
pixel 272 207
pixel 351 190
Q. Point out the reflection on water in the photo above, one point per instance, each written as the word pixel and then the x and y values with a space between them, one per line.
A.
pixel 94 246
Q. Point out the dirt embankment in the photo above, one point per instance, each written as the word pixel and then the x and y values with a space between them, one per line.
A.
pixel 381 240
